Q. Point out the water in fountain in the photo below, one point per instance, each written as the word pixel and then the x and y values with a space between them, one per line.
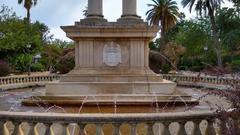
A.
pixel 157 106
pixel 94 98
pixel 115 104
pixel 56 107
pixel 80 108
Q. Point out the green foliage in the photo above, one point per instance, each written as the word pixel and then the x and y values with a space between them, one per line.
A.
pixel 37 67
pixel 28 4
pixel 193 38
pixel 21 62
pixel 53 52
pixel 6 13
pixel 18 35
pixel 19 39
pixel 228 22
pixel 235 65
pixel 166 68
pixel 4 68
pixel 164 12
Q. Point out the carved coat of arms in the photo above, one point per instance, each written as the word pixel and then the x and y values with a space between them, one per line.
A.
pixel 112 55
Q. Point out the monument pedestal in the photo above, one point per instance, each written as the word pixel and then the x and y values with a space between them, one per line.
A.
pixel 111 58
pixel 101 84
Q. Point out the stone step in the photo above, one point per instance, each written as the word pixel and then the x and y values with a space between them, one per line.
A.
pixel 92 88
pixel 111 78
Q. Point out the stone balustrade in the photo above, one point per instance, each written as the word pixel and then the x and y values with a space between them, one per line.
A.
pixel 203 79
pixel 27 79
pixel 172 77
pixel 180 123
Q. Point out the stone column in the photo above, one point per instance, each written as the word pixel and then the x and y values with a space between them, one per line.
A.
pixel 129 9
pixel 95 9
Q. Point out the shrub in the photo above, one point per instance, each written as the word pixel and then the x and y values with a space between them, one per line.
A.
pixel 66 62
pixel 235 66
pixel 166 68
pixel 37 67
pixel 197 68
pixel 4 68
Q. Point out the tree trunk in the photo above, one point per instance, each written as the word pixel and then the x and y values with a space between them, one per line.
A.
pixel 216 43
pixel 28 15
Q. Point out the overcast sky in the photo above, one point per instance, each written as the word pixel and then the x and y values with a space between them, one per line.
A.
pixel 56 13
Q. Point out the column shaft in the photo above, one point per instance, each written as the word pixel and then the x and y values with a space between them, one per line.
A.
pixel 95 8
pixel 129 8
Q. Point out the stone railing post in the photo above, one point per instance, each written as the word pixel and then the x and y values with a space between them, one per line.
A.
pixel 81 129
pixel 196 128
pixel 133 128
pixel 210 128
pixel 166 130
pixel 116 130
pixel 1 127
pixel 150 129
pixel 31 128
pixel 16 127
pixel 182 130
pixel 48 128
pixel 99 130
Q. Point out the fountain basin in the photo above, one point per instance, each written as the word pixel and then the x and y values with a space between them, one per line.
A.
pixel 111 100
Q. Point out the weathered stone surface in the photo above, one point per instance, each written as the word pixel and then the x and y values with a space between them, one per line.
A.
pixel 101 69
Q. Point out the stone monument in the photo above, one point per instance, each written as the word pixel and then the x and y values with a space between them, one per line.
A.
pixel 111 57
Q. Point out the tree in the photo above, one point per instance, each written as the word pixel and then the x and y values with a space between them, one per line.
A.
pixel 28 5
pixel 164 12
pixel 16 36
pixel 85 12
pixel 228 23
pixel 208 7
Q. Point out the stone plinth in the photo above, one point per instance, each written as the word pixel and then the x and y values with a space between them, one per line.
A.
pixel 111 58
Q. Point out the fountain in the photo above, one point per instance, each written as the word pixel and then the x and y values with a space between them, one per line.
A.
pixel 111 60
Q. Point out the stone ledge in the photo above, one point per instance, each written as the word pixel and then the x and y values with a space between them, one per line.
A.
pixel 21 85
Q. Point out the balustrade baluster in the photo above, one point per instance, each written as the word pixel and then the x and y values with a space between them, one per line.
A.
pixel 150 129
pixel 32 128
pixel 2 81
pixel 16 128
pixel 64 128
pixel 210 128
pixel 196 128
pixel 166 130
pixel 81 129
pixel 1 127
pixel 99 130
pixel 116 130
pixel 48 129
pixel 134 129
pixel 182 130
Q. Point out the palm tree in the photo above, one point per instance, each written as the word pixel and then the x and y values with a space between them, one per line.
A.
pixel 164 13
pixel 85 12
pixel 208 7
pixel 28 5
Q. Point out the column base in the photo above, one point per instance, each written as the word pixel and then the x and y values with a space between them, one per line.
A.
pixel 93 19
pixel 130 18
